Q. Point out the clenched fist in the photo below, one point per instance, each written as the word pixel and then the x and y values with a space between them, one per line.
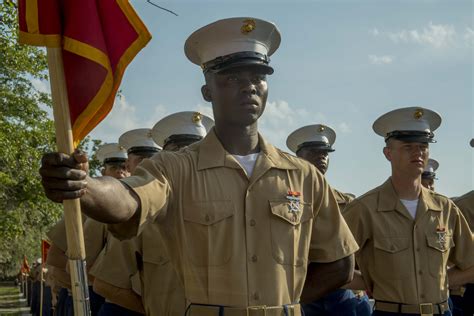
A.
pixel 64 177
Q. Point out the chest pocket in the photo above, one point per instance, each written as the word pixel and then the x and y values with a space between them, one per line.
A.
pixel 291 232
pixel 209 232
pixel 438 253
pixel 391 256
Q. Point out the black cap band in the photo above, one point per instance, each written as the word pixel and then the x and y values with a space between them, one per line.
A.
pixel 237 59
pixel 412 136
pixel 317 144
pixel 143 149
pixel 182 137
pixel 428 175
pixel 114 160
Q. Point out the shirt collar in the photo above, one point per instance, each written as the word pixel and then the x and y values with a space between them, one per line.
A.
pixel 389 200
pixel 211 154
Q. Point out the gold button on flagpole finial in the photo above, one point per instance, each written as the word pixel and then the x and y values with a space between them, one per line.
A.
pixel 249 26
pixel 197 117
pixel 418 114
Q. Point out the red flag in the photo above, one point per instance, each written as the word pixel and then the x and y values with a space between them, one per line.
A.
pixel 25 268
pixel 45 245
pixel 99 38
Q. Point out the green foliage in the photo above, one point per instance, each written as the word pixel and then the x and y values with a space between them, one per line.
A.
pixel 26 133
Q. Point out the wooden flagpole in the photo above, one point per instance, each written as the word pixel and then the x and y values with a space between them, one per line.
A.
pixel 72 208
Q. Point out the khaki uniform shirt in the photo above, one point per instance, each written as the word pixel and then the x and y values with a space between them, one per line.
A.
pixel 234 240
pixel 117 264
pixel 342 199
pixel 466 205
pixel 162 291
pixel 95 237
pixel 403 259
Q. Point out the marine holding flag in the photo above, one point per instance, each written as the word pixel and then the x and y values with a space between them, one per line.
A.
pixel 89 43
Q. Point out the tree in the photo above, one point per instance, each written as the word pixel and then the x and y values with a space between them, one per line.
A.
pixel 26 133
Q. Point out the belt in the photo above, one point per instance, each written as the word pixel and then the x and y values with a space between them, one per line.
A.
pixel 425 309
pixel 262 310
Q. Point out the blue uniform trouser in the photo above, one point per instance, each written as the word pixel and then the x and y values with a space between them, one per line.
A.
pixel 96 301
pixel 64 306
pixel 455 305
pixel 468 300
pixel 110 309
pixel 339 302
pixel 47 301
pixel 380 313
pixel 35 297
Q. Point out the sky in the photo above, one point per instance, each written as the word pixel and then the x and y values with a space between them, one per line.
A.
pixel 340 63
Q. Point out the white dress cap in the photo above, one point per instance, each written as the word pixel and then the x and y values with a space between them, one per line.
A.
pixel 317 135
pixel 138 140
pixel 412 124
pixel 430 170
pixel 181 124
pixel 230 42
pixel 111 153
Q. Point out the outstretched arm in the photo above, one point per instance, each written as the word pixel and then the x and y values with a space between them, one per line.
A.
pixel 104 199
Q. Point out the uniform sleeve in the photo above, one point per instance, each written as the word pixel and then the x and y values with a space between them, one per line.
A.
pixel 463 254
pixel 116 263
pixel 466 206
pixel 153 189
pixel 94 239
pixel 331 238
pixel 57 235
pixel 357 222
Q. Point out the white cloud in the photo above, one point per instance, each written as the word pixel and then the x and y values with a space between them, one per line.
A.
pixel 469 35
pixel 343 127
pixel 436 35
pixel 41 85
pixel 381 60
pixel 374 32
pixel 124 117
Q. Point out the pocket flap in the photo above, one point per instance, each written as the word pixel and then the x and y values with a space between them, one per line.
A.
pixel 438 244
pixel 392 244
pixel 281 208
pixel 208 212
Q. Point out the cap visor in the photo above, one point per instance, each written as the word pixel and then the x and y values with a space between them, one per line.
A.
pixel 245 63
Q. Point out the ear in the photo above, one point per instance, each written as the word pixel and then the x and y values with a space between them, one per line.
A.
pixel 387 153
pixel 127 165
pixel 102 171
pixel 206 93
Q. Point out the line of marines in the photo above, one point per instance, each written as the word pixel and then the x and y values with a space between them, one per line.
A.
pixel 196 217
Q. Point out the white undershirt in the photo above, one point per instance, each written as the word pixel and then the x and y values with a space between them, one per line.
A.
pixel 411 206
pixel 247 162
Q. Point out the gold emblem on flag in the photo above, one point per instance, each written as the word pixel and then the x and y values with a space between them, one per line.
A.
pixel 249 26
pixel 418 114
pixel 197 117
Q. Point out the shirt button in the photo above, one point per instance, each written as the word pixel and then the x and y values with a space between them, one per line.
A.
pixel 207 218
pixel 256 296
pixel 252 222
pixel 422 295
pixel 417 249
pixel 420 272
pixel 254 258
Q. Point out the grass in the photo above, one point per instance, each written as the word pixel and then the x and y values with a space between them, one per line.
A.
pixel 11 301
